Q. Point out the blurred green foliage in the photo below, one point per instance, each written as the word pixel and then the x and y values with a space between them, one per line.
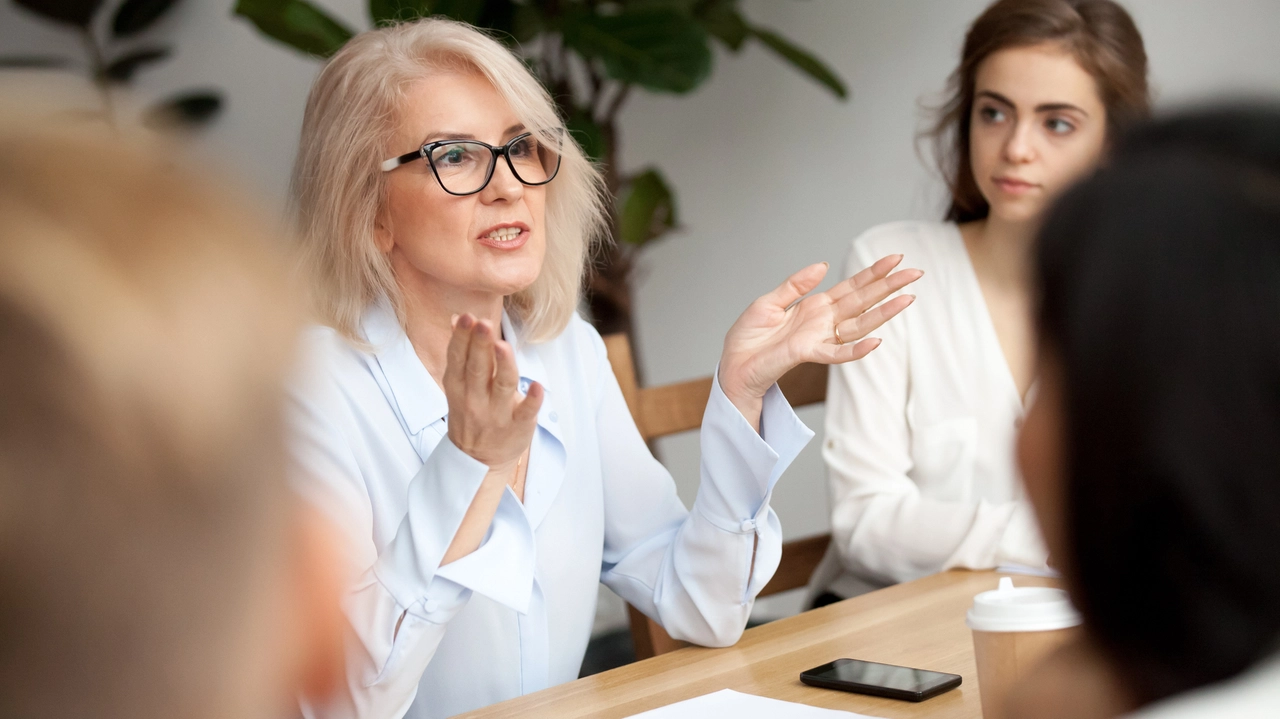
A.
pixel 114 58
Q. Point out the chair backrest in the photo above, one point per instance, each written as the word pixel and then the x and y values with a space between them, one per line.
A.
pixel 678 407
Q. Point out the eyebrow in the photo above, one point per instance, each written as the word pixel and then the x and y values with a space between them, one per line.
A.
pixel 449 135
pixel 1046 107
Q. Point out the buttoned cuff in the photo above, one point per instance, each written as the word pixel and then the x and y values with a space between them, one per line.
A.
pixel 741 466
pixel 438 498
pixel 502 567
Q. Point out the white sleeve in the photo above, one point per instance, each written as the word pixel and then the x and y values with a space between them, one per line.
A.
pixel 691 571
pixel 883 528
pixel 402 599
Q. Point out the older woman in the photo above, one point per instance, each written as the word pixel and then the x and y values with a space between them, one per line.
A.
pixel 466 423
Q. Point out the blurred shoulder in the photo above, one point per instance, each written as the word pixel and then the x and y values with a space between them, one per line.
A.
pixel 924 245
pixel 330 366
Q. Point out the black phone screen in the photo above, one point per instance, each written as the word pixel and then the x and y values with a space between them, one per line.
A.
pixel 856 675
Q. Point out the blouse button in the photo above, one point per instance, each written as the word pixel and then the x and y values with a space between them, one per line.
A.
pixel 748 525
pixel 430 605
pixel 524 385
pixel 553 417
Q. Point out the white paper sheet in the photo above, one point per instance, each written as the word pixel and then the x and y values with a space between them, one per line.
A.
pixel 735 705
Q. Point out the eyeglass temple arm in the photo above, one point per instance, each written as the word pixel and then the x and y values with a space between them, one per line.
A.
pixel 406 158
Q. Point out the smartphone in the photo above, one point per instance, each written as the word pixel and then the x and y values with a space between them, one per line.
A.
pixel 880 680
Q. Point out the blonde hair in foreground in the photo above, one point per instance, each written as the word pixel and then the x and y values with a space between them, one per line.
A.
pixel 338 186
pixel 146 329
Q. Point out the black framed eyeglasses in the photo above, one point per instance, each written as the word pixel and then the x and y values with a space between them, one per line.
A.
pixel 464 167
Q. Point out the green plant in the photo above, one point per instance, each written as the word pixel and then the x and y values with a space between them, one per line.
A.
pixel 615 45
pixel 115 57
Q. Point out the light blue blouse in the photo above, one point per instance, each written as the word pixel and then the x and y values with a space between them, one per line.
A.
pixel 513 617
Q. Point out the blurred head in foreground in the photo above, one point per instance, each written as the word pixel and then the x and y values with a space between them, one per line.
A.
pixel 1152 453
pixel 152 561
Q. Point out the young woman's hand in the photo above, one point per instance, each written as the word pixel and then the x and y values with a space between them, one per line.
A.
pixel 488 419
pixel 781 330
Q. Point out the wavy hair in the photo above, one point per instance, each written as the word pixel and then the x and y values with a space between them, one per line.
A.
pixel 338 187
pixel 1101 36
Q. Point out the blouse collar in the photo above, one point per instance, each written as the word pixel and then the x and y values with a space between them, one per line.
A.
pixel 420 400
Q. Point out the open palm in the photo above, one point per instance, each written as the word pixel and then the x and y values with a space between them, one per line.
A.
pixel 780 330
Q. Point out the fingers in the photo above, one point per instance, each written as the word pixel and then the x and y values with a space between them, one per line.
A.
pixel 527 410
pixel 506 376
pixel 857 301
pixel 848 352
pixel 456 355
pixel 855 328
pixel 878 270
pixel 480 359
pixel 797 285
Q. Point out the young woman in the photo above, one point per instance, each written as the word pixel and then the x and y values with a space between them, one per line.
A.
pixel 919 438
pixel 466 423
pixel 1152 451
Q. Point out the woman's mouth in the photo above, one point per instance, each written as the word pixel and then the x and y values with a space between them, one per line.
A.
pixel 505 237
pixel 1013 186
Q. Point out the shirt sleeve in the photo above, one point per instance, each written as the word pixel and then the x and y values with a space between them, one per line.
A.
pixel 400 599
pixel 692 571
pixel 883 527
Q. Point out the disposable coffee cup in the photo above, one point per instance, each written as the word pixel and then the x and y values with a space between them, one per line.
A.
pixel 1014 628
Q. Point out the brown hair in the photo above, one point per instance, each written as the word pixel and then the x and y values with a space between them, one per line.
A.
pixel 1101 36
pixel 146 329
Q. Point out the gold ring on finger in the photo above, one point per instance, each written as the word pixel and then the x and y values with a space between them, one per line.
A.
pixel 839 341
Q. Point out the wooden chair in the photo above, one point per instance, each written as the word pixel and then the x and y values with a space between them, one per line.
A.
pixel 678 407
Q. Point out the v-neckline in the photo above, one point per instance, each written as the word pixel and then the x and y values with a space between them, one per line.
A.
pixel 988 326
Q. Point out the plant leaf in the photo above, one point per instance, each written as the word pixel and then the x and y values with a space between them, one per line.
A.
pixel 802 60
pixel 77 13
pixel 587 133
pixel 648 209
pixel 468 11
pixel 527 21
pixel 296 23
pixel 134 16
pixel 721 20
pixel 659 49
pixel 382 12
pixel 121 69
pixel 186 111
pixel 15 62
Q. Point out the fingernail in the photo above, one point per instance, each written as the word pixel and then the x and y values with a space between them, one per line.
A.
pixel 913 298
pixel 465 322
pixel 826 264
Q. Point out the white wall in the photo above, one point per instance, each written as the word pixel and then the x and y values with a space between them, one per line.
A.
pixel 771 172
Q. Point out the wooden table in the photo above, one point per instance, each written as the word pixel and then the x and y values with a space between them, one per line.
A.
pixel 918 624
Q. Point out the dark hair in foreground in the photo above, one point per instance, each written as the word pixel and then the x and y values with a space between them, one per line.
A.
pixel 1161 301
pixel 1098 33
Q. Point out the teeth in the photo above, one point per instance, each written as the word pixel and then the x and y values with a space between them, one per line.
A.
pixel 504 234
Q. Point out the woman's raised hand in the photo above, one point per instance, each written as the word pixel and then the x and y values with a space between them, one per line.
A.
pixel 780 330
pixel 488 419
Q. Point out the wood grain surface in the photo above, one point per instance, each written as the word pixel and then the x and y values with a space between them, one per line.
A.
pixel 917 624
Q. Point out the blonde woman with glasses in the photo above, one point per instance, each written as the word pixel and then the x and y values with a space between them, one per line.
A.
pixel 464 422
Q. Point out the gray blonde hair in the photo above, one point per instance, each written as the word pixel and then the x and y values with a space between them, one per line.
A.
pixel 338 186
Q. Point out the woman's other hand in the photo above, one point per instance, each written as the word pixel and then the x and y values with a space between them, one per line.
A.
pixel 488 419
pixel 780 330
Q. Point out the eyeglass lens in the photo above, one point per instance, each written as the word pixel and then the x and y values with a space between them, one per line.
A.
pixel 464 167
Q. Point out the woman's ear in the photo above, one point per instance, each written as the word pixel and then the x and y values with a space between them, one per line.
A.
pixel 382 238
pixel 319 626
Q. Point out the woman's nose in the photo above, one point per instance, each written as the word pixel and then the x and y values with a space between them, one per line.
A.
pixel 1020 147
pixel 504 185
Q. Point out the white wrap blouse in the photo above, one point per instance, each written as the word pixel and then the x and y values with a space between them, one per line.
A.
pixel 920 434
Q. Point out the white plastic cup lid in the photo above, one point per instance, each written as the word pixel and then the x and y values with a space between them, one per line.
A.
pixel 1022 609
